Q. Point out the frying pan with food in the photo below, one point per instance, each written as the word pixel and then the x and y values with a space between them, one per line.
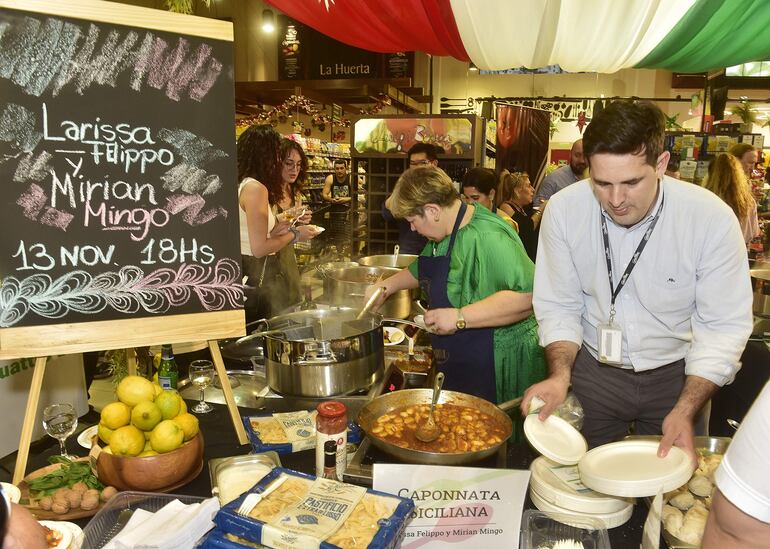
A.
pixel 385 404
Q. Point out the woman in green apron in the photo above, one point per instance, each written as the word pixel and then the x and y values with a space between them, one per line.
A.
pixel 478 279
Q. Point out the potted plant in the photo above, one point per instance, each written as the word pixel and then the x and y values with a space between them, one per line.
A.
pixel 745 111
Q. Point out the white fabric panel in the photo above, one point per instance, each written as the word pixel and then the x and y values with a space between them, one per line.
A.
pixel 579 35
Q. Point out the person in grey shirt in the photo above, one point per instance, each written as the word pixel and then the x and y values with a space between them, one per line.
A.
pixel 642 290
pixel 564 176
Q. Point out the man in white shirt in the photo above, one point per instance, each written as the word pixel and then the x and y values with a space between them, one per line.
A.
pixel 740 511
pixel 562 177
pixel 642 290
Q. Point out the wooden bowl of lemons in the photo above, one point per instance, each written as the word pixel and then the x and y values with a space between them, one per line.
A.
pixel 153 473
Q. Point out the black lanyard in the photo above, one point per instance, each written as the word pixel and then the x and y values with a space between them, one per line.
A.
pixel 634 258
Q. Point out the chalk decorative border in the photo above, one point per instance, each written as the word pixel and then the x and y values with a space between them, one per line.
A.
pixel 128 291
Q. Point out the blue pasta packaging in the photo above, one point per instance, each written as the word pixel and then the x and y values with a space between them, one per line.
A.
pixel 288 432
pixel 302 511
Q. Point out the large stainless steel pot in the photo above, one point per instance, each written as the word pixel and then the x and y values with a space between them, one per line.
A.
pixel 760 273
pixel 384 404
pixel 323 352
pixel 346 287
pixel 399 261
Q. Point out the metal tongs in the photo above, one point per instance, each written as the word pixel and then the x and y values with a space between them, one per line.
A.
pixel 370 302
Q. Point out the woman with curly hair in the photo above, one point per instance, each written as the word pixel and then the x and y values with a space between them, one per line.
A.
pixel 267 236
pixel 726 179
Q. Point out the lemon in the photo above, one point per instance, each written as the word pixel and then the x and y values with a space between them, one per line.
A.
pixel 182 406
pixel 157 388
pixel 115 415
pixel 166 436
pixel 134 389
pixel 127 441
pixel 188 423
pixel 147 445
pixel 169 403
pixel 105 433
pixel 145 416
pixel 147 435
pixel 148 453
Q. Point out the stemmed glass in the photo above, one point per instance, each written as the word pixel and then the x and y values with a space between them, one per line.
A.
pixel 60 421
pixel 201 374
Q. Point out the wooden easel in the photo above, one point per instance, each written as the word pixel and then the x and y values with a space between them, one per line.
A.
pixel 92 336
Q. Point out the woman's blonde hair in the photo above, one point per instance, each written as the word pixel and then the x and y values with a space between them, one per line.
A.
pixel 726 179
pixel 420 186
pixel 508 183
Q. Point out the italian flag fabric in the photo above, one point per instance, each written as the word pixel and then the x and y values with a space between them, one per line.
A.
pixel 578 35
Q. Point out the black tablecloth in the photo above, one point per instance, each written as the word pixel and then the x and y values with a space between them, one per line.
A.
pixel 220 441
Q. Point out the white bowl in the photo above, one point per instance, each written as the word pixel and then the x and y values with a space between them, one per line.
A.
pixel 394 335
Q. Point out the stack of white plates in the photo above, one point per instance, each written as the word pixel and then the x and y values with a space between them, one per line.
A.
pixel 632 468
pixel 557 488
pixel 598 482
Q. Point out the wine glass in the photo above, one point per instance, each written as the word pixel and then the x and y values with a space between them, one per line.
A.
pixel 60 421
pixel 201 374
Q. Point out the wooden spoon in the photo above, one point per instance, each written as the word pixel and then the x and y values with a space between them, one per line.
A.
pixel 429 431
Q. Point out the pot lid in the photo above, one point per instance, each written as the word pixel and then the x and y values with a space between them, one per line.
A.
pixel 555 439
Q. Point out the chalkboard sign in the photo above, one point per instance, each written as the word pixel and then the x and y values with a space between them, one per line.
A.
pixel 117 167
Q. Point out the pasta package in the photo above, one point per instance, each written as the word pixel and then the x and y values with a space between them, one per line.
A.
pixel 288 432
pixel 309 512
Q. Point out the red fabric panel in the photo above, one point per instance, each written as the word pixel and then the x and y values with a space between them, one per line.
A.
pixel 382 25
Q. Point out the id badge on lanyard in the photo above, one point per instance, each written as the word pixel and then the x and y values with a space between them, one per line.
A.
pixel 609 335
pixel 609 339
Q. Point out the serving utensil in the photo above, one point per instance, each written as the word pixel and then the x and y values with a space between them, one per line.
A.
pixel 254 498
pixel 429 431
pixel 372 299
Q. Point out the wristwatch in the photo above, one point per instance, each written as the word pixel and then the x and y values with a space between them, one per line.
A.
pixel 460 324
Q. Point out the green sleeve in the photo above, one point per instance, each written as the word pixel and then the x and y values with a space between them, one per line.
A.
pixel 487 263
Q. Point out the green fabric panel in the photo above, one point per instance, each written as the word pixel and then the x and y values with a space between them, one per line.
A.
pixel 715 34
pixel 488 257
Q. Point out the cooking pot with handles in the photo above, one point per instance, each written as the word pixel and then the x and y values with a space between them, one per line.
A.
pixel 323 352
pixel 347 287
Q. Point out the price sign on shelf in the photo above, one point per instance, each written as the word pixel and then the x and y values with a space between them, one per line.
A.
pixel 117 163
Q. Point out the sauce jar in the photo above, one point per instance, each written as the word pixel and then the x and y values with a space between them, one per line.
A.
pixel 331 424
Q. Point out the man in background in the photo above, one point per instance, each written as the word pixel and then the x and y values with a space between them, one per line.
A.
pixel 564 176
pixel 338 192
pixel 409 241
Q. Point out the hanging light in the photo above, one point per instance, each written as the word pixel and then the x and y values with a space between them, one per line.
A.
pixel 268 21
pixel 473 67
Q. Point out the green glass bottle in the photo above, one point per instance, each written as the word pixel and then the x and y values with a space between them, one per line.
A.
pixel 168 372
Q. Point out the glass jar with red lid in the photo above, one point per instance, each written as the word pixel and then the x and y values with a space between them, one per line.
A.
pixel 331 424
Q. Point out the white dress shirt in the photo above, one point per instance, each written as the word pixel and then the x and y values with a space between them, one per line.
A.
pixel 689 295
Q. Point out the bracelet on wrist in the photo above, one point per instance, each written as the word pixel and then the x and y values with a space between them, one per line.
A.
pixel 295 235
